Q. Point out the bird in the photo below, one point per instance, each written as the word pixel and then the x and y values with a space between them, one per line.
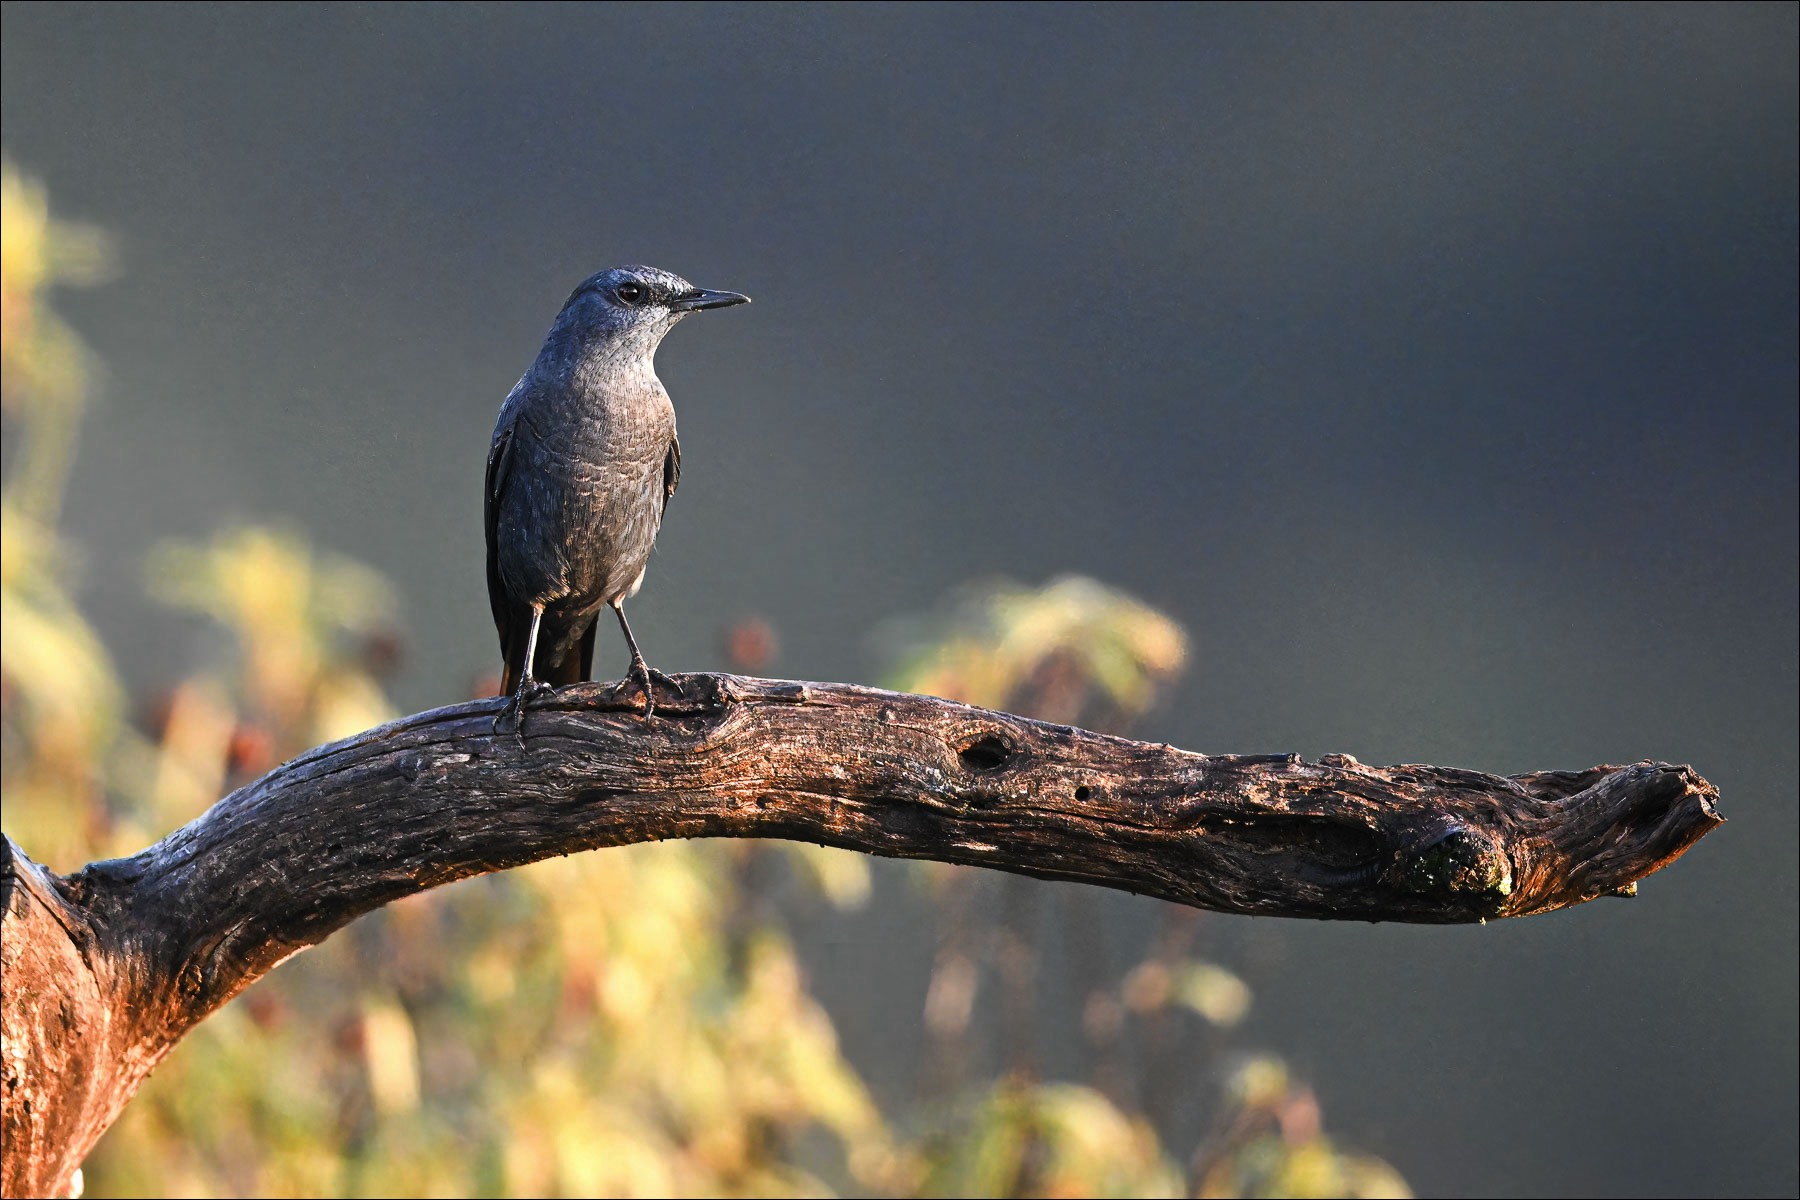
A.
pixel 581 468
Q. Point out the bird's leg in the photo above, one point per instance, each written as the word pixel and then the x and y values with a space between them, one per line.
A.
pixel 641 670
pixel 513 715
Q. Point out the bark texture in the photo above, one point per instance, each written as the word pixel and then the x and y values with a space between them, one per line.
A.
pixel 105 970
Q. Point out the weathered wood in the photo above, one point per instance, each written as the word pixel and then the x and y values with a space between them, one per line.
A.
pixel 106 970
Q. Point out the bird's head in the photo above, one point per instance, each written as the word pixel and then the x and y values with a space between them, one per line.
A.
pixel 638 304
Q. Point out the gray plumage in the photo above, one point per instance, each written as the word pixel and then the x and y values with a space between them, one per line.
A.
pixel 583 463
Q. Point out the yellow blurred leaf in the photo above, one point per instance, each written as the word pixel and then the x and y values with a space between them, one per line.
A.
pixel 1000 645
pixel 1213 992
pixel 391 1055
pixel 841 875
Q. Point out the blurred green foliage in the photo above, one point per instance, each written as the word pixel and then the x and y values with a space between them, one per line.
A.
pixel 627 1022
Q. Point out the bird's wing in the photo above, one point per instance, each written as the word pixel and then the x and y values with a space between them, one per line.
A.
pixel 498 464
pixel 671 470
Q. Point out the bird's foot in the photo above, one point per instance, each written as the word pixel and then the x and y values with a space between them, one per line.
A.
pixel 511 718
pixel 647 677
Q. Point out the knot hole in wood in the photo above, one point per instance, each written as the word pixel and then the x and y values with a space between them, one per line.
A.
pixel 985 752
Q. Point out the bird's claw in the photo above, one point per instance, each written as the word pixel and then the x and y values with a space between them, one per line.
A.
pixel 647 677
pixel 511 718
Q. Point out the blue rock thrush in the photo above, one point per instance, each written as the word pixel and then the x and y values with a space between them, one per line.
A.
pixel 583 463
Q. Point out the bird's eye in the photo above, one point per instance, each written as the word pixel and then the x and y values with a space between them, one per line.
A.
pixel 631 293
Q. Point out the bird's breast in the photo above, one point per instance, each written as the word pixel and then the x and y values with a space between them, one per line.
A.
pixel 585 503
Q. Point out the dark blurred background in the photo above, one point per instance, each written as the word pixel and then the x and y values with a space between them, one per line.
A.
pixel 1435 367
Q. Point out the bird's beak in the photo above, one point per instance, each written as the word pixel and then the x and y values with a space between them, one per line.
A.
pixel 700 298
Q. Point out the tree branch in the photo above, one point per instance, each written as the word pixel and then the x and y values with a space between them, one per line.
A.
pixel 106 970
